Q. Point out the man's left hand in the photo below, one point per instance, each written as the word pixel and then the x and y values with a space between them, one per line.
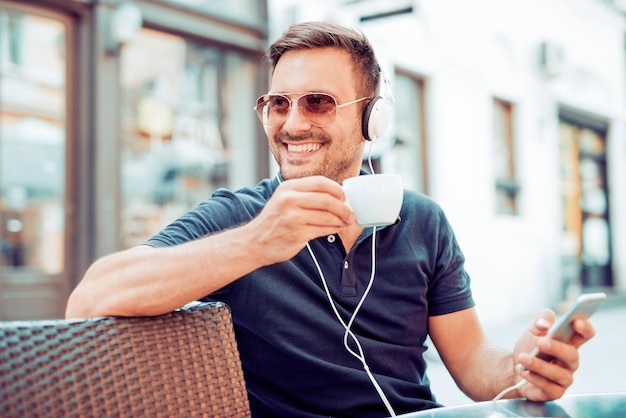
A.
pixel 549 380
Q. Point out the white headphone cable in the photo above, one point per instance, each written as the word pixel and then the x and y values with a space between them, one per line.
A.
pixel 360 355
pixel 369 156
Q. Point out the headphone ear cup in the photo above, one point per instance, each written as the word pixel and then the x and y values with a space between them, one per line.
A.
pixel 376 118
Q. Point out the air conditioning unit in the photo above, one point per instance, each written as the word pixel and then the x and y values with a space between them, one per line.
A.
pixel 551 58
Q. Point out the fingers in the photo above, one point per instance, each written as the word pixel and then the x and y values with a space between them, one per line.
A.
pixel 298 211
pixel 542 388
pixel 315 201
pixel 551 372
pixel 584 331
pixel 549 379
pixel 551 353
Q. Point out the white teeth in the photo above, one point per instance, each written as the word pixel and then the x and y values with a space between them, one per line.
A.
pixel 300 148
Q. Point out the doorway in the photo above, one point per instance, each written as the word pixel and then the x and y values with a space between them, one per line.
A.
pixel 34 136
pixel 586 229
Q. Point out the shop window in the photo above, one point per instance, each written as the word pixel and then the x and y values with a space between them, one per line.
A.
pixel 506 183
pixel 10 39
pixel 174 153
pixel 32 143
pixel 408 154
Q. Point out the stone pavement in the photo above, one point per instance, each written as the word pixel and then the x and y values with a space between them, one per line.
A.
pixel 603 359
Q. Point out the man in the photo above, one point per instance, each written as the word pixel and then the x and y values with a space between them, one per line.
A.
pixel 249 249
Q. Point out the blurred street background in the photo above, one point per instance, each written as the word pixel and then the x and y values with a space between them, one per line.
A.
pixel 117 116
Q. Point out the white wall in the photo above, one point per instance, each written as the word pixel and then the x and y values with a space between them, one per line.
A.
pixel 470 52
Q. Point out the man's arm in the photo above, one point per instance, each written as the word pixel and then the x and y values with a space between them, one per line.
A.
pixel 482 370
pixel 479 369
pixel 151 281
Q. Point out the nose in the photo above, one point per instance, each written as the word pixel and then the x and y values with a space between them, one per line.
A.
pixel 295 120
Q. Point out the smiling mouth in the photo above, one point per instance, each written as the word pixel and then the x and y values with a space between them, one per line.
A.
pixel 303 148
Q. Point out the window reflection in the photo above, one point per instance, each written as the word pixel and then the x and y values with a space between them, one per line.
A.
pixel 32 142
pixel 408 152
pixel 507 186
pixel 174 153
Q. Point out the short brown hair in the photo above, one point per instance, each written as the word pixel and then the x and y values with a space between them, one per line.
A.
pixel 312 35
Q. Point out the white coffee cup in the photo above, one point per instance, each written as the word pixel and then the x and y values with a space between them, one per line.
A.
pixel 375 199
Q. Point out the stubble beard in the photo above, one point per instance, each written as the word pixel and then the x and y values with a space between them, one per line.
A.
pixel 334 167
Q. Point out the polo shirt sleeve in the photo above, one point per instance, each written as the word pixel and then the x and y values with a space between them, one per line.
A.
pixel 223 210
pixel 449 286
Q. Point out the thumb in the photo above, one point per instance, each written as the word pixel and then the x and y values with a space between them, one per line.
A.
pixel 542 324
pixel 538 328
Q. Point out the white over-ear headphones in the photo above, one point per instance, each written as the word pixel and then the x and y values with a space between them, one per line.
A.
pixel 377 113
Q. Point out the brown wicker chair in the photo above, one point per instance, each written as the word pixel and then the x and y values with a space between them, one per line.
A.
pixel 182 364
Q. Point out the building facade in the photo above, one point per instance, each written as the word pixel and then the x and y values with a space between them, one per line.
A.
pixel 115 117
pixel 511 116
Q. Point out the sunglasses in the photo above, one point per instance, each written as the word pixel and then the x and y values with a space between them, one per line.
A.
pixel 320 109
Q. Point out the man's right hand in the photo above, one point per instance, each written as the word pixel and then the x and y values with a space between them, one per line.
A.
pixel 299 211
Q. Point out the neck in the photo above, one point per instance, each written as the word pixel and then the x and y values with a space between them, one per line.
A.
pixel 349 235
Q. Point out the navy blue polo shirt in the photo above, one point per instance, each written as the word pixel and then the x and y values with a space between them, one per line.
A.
pixel 291 342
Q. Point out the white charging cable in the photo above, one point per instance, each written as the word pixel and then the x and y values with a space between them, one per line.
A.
pixel 510 389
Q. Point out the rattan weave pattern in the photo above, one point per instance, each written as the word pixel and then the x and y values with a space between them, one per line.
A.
pixel 181 364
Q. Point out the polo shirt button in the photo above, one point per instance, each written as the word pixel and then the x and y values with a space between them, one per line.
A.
pixel 345 265
pixel 331 238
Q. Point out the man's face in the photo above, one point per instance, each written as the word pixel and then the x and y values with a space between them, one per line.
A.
pixel 301 148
